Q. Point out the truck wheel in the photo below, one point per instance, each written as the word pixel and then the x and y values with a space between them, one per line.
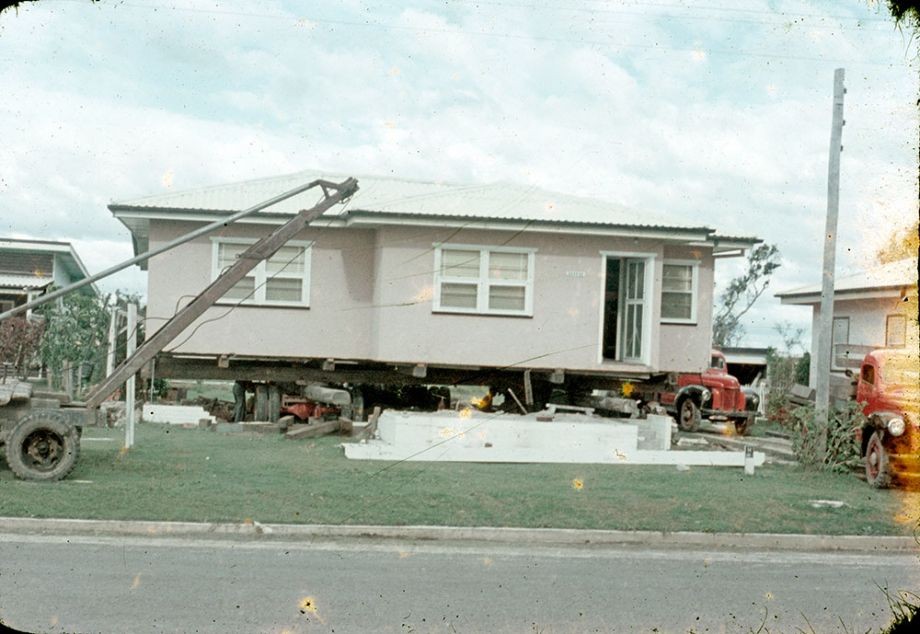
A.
pixel 42 447
pixel 743 425
pixel 878 467
pixel 688 415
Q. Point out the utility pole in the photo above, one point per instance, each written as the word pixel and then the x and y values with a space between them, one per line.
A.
pixel 826 316
pixel 130 384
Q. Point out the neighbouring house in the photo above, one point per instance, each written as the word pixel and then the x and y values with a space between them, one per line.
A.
pixel 875 308
pixel 423 277
pixel 29 267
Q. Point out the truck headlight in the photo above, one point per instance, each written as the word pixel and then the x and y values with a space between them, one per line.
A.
pixel 896 426
pixel 705 395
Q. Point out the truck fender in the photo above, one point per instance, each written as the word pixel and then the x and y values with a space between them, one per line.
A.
pixel 695 392
pixel 876 421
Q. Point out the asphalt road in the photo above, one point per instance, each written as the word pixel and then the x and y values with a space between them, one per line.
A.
pixel 114 584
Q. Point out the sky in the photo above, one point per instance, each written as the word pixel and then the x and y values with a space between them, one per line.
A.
pixel 711 111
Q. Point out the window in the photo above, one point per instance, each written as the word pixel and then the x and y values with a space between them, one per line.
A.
pixel 679 282
pixel 484 280
pixel 281 280
pixel 895 331
pixel 868 374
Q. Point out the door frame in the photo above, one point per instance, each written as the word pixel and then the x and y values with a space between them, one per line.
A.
pixel 650 258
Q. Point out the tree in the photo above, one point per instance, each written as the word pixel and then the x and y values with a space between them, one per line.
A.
pixel 741 293
pixel 75 334
pixel 19 342
pixel 905 12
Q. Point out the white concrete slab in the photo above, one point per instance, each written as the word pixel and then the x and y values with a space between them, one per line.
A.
pixel 478 437
pixel 174 414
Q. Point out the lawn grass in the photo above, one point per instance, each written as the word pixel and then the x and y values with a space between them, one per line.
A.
pixel 179 474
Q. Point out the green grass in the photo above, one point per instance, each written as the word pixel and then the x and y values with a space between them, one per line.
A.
pixel 178 474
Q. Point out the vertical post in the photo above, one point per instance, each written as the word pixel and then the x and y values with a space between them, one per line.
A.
pixel 528 389
pixel 113 338
pixel 748 460
pixel 129 384
pixel 826 316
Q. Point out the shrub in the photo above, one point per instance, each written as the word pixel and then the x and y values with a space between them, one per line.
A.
pixel 842 449
pixel 19 343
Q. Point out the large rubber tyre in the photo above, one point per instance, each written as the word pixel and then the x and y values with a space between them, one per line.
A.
pixel 743 425
pixel 43 447
pixel 688 415
pixel 878 466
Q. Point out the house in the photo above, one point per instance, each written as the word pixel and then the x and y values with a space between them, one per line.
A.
pixel 28 267
pixel 874 308
pixel 433 277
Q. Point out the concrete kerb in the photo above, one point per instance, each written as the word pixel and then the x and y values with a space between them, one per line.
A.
pixel 536 536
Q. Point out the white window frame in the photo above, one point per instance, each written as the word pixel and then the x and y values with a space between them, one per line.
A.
pixel 259 272
pixel 483 282
pixel 694 290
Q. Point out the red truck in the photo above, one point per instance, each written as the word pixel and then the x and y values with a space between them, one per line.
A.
pixel 888 387
pixel 713 393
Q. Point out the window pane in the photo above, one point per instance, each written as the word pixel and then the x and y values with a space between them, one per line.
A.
pixel 286 260
pixel 283 289
pixel 841 330
pixel 635 280
pixel 456 263
pixel 507 266
pixel 633 331
pixel 227 254
pixel 458 295
pixel 242 289
pixel 895 331
pixel 676 305
pixel 677 277
pixel 507 297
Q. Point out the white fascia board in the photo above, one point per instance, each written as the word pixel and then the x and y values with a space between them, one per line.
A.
pixel 35 246
pixel 815 298
pixel 534 226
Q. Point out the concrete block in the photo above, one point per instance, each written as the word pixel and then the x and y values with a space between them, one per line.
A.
pixel 174 414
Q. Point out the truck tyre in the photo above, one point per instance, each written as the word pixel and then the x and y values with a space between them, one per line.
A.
pixel 743 425
pixel 42 447
pixel 688 415
pixel 878 466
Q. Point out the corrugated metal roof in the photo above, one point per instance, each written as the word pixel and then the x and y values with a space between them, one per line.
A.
pixel 392 195
pixel 891 275
pixel 20 282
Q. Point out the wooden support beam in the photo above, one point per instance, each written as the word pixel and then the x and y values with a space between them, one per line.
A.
pixel 557 376
pixel 329 365
pixel 299 431
pixel 528 389
pixel 223 361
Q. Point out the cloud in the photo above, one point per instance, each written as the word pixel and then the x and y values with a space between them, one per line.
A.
pixel 111 102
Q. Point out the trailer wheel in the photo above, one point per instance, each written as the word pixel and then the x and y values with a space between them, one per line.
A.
pixel 688 415
pixel 878 467
pixel 42 447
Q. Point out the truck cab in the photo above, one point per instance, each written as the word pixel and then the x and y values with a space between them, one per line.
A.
pixel 888 388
